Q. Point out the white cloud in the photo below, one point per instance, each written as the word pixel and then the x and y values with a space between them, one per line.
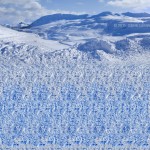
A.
pixel 20 10
pixel 132 4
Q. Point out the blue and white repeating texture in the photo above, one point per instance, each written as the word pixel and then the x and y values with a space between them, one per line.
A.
pixel 75 105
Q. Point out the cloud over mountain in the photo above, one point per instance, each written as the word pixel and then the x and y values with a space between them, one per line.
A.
pixel 16 11
pixel 13 12
pixel 133 4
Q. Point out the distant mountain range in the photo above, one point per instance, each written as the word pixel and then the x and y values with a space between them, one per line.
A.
pixel 56 17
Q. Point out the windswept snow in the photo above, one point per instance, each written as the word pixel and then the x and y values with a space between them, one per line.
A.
pixel 30 39
pixel 88 43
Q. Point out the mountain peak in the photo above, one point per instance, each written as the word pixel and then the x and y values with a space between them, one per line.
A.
pixel 130 14
pixel 102 14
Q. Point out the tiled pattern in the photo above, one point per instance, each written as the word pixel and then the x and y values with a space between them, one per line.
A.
pixel 89 107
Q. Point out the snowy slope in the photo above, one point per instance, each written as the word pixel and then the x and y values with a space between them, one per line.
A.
pixel 30 39
pixel 74 30
pixel 86 42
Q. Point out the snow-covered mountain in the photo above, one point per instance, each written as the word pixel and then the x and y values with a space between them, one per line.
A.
pixel 56 17
pixel 76 81
pixel 107 27
pixel 108 22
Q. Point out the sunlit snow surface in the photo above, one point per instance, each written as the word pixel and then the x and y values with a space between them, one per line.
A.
pixel 53 95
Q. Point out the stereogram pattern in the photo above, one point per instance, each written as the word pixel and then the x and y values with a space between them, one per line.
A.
pixel 74 102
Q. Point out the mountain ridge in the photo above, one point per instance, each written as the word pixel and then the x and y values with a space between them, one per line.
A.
pixel 56 17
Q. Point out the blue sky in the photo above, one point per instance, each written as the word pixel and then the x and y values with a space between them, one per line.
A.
pixel 97 6
pixel 15 11
pixel 87 6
